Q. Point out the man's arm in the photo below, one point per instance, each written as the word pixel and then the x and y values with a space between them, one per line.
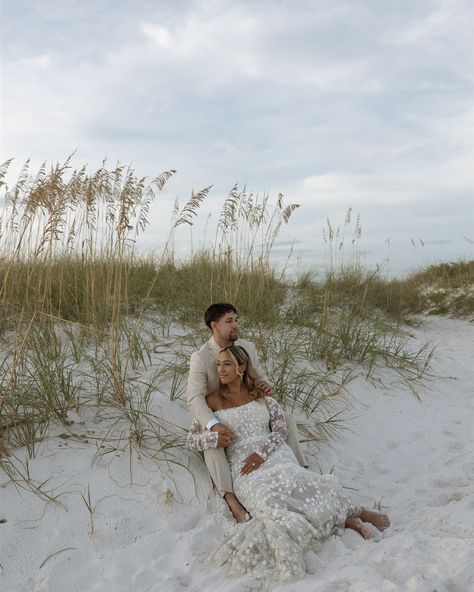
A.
pixel 198 390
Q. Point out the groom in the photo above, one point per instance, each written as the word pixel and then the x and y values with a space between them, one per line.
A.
pixel 221 318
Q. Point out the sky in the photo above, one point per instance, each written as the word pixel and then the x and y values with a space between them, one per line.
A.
pixel 361 104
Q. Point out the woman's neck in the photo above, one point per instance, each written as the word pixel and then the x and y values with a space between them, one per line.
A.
pixel 234 395
pixel 234 390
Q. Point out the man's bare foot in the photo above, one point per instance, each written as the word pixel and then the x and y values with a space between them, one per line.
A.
pixel 238 511
pixel 362 528
pixel 380 521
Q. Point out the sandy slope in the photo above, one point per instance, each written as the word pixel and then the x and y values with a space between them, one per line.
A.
pixel 414 458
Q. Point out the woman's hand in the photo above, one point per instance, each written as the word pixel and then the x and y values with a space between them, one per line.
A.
pixel 251 463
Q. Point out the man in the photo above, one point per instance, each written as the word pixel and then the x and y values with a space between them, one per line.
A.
pixel 221 318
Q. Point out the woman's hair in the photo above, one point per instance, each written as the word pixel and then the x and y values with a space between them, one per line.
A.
pixel 249 377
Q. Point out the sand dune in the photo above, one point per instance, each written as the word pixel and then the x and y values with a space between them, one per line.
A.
pixel 413 458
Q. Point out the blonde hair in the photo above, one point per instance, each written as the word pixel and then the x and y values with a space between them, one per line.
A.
pixel 248 377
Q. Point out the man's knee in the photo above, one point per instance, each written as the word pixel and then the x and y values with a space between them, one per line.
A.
pixel 218 467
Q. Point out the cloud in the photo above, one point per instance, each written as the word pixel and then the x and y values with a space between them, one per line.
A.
pixel 421 185
pixel 41 62
pixel 160 35
pixel 446 17
pixel 360 103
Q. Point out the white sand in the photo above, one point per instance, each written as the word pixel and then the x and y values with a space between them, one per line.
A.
pixel 414 458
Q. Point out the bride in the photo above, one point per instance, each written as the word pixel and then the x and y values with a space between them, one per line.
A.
pixel 289 505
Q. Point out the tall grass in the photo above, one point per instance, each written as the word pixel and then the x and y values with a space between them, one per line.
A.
pixel 68 249
pixel 88 325
pixel 67 240
pixel 76 301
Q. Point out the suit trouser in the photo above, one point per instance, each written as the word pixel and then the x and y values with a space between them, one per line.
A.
pixel 219 469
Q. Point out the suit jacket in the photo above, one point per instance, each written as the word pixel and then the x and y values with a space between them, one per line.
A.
pixel 203 377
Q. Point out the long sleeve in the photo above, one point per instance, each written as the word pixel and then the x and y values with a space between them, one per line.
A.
pixel 199 439
pixel 278 426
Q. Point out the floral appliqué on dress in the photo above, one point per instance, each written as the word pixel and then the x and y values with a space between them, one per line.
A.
pixel 290 506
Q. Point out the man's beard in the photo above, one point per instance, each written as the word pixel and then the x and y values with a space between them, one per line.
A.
pixel 233 337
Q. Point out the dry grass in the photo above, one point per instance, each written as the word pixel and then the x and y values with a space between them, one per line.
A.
pixel 81 313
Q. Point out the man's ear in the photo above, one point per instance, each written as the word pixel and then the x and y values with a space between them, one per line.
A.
pixel 213 325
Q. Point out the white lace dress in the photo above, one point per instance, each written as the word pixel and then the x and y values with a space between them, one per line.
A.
pixel 289 505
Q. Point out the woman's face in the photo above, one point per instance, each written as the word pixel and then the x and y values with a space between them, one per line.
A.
pixel 227 368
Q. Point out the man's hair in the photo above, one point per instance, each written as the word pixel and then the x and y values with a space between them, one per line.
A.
pixel 216 311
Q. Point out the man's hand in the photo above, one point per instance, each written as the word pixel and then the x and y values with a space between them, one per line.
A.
pixel 225 436
pixel 265 387
pixel 251 463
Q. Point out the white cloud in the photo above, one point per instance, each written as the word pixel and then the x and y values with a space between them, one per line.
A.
pixel 335 104
pixel 446 18
pixel 421 186
pixel 159 34
pixel 41 62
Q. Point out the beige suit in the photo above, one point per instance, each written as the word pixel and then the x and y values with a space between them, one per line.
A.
pixel 203 380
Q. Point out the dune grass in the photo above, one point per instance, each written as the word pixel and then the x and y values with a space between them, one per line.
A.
pixel 86 323
pixel 445 288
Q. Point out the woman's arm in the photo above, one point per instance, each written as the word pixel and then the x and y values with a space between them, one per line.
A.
pixel 279 431
pixel 199 439
pixel 278 426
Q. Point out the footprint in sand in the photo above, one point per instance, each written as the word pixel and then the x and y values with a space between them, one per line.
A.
pixel 447 498
pixel 443 483
pixel 394 569
pixel 456 445
pixel 445 491
pixel 144 580
pixel 414 436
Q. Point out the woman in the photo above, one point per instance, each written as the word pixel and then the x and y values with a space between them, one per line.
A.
pixel 289 505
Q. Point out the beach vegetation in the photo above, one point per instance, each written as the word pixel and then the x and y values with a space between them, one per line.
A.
pixel 89 326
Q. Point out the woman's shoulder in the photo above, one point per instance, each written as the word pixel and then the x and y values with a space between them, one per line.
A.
pixel 212 401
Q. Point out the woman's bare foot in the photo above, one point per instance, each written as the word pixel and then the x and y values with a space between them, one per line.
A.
pixel 238 511
pixel 380 521
pixel 362 528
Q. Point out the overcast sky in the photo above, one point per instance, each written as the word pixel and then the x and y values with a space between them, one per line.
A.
pixel 360 103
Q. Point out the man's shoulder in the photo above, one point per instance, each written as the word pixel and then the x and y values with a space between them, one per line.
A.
pixel 203 351
pixel 203 347
pixel 245 344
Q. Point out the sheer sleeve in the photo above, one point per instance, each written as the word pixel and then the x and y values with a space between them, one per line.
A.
pixel 278 426
pixel 199 439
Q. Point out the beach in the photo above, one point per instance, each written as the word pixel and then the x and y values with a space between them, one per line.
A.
pixel 127 521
